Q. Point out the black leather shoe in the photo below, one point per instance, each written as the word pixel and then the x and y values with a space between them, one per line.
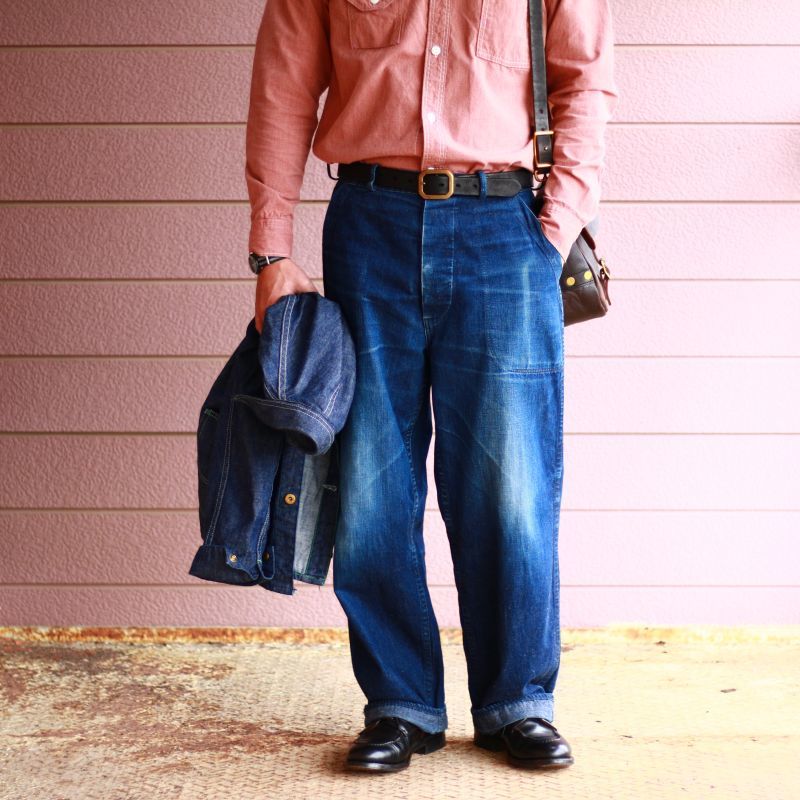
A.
pixel 387 744
pixel 531 742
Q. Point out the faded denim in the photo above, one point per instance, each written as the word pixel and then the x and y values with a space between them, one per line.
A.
pixel 454 302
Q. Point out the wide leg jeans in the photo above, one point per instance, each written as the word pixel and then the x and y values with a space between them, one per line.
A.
pixel 455 309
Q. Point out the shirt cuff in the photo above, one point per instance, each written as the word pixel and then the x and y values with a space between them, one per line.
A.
pixel 560 225
pixel 271 236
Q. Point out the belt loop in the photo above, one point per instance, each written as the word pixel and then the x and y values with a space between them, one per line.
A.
pixel 482 179
pixel 373 168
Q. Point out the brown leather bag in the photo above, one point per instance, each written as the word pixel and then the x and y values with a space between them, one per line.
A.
pixel 584 279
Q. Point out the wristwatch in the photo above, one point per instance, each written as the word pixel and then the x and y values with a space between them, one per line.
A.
pixel 258 262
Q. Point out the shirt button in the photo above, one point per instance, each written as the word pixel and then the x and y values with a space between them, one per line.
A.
pixel 289 498
pixel 431 116
pixel 436 49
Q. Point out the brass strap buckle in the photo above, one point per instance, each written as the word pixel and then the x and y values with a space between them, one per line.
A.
pixel 547 151
pixel 421 184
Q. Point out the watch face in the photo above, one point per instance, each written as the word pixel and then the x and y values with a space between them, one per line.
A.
pixel 256 262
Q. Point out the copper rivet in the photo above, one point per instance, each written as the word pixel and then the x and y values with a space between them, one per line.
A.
pixel 570 281
pixel 289 498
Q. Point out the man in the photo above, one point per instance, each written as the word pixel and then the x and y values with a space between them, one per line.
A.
pixel 450 285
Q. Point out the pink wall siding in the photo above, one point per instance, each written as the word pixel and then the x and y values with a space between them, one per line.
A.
pixel 124 290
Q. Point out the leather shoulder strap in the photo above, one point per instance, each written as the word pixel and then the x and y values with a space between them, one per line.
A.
pixel 542 135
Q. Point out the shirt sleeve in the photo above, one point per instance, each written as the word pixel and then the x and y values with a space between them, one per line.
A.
pixel 582 95
pixel 291 70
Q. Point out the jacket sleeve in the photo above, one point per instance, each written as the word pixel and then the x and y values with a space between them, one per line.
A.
pixel 291 70
pixel 582 94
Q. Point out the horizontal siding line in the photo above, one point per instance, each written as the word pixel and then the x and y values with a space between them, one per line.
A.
pixel 700 45
pixel 97 434
pixel 99 510
pixel 242 124
pixel 21 48
pixel 694 202
pixel 235 281
pixel 8 510
pixel 133 203
pixel 704 124
pixel 120 125
pixel 123 357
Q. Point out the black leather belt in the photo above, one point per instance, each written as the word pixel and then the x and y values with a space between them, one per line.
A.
pixel 436 184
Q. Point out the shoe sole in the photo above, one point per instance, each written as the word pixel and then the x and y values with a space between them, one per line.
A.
pixel 437 742
pixel 497 746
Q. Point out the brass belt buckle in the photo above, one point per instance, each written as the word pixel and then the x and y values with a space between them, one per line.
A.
pixel 450 184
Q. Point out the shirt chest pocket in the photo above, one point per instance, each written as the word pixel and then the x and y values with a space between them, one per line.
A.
pixel 503 33
pixel 374 23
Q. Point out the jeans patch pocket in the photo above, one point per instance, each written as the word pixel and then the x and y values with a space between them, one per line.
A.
pixel 375 24
pixel 523 331
pixel 503 33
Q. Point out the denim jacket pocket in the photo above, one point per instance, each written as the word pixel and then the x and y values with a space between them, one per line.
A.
pixel 503 33
pixel 206 443
pixel 375 23
pixel 206 430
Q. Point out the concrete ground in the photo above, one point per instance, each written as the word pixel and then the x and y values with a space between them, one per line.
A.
pixel 266 713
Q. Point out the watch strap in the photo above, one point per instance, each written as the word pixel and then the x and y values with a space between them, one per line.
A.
pixel 259 262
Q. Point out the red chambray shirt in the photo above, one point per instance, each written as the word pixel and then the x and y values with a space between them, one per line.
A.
pixel 425 83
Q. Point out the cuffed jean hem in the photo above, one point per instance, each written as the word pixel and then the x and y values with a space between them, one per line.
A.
pixel 493 717
pixel 429 719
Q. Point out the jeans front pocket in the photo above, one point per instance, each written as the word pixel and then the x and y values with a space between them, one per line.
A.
pixel 339 188
pixel 503 33
pixel 549 250
pixel 375 23
pixel 519 307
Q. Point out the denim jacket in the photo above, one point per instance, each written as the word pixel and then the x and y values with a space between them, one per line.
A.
pixel 267 450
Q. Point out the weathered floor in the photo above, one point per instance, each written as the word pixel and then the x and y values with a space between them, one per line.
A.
pixel 649 715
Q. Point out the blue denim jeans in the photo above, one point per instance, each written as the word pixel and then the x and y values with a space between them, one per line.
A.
pixel 454 302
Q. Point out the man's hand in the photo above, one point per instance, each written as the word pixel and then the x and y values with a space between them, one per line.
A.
pixel 276 280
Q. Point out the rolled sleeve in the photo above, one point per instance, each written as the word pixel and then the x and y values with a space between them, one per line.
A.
pixel 583 96
pixel 291 70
